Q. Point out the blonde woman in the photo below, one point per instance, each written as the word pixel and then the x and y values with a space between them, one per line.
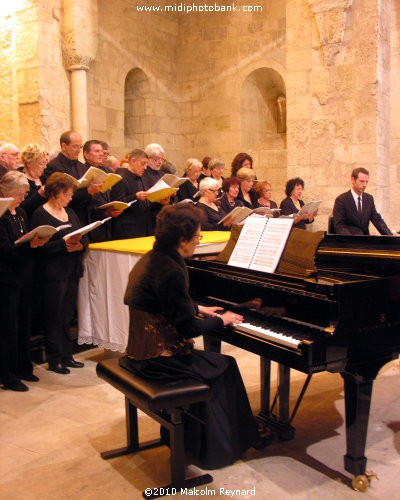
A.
pixel 192 170
pixel 34 159
pixel 246 192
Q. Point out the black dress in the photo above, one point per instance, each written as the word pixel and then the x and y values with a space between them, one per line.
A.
pixel 59 273
pixel 225 204
pixel 187 190
pixel 212 218
pixel 16 263
pixel 288 208
pixel 253 198
pixel 159 285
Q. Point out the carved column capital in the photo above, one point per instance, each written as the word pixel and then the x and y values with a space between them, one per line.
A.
pixel 330 17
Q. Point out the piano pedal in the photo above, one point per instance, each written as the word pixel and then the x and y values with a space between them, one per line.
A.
pixel 362 482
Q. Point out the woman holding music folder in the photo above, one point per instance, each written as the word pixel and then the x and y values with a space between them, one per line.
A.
pixel 209 189
pixel 16 264
pixel 161 347
pixel 60 268
pixel 293 203
pixel 229 200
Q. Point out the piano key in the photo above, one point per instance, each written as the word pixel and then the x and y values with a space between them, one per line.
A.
pixel 269 334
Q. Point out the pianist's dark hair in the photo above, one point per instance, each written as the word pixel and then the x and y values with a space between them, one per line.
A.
pixel 176 223
pixel 292 183
pixel 357 171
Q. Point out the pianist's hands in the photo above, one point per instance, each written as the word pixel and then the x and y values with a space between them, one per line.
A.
pixel 230 318
pixel 209 311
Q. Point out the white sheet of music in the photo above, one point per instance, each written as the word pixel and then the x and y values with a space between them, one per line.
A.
pixel 261 243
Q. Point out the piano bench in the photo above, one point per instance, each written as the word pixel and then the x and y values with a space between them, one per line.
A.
pixel 163 402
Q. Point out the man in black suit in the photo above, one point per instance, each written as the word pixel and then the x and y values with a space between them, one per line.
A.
pixel 67 162
pixel 355 209
pixel 135 221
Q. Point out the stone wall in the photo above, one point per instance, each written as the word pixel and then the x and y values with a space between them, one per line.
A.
pixel 218 58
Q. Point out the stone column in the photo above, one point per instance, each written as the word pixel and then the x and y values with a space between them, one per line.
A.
pixel 79 47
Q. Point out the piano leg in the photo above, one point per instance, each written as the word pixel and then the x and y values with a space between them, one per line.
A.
pixel 278 422
pixel 357 390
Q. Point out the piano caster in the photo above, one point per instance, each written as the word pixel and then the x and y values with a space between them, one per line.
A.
pixel 361 482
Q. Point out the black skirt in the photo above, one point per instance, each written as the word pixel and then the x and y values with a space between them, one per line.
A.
pixel 227 426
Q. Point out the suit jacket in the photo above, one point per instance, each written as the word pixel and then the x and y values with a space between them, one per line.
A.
pixel 135 221
pixel 346 219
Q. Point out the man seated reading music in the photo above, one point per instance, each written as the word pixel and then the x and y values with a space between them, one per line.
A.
pixel 355 209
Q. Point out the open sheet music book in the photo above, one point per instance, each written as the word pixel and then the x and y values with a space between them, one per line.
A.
pixel 309 208
pixel 261 243
pixel 42 232
pixel 4 204
pixel 166 186
pixel 99 176
pixel 117 205
pixel 86 229
pixel 239 214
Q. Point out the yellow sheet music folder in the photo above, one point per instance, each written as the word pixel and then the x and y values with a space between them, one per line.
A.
pixel 144 245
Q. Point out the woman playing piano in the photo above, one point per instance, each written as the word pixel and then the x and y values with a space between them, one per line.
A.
pixel 160 345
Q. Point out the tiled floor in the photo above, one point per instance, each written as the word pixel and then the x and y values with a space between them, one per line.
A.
pixel 51 438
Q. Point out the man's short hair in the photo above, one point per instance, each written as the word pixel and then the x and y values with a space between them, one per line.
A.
pixel 357 171
pixel 137 153
pixel 88 145
pixel 65 137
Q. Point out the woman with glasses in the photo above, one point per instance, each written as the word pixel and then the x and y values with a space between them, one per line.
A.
pixel 161 347
pixel 60 268
pixel 209 189
pixel 16 264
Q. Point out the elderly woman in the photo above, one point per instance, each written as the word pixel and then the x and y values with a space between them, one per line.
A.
pixel 216 166
pixel 34 159
pixel 192 170
pixel 293 203
pixel 264 192
pixel 241 160
pixel 160 345
pixel 229 199
pixel 16 263
pixel 209 188
pixel 246 194
pixel 60 266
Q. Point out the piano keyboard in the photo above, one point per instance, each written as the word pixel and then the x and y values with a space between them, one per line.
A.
pixel 274 335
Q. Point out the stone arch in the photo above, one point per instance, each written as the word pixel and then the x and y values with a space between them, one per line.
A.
pixel 137 112
pixel 263 121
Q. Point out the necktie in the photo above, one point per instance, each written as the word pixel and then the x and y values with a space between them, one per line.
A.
pixel 359 207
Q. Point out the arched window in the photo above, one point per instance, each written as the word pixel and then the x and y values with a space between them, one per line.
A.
pixel 136 116
pixel 263 108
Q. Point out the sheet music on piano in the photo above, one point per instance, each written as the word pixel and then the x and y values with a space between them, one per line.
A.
pixel 261 243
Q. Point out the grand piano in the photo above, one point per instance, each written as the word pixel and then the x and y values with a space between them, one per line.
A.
pixel 333 304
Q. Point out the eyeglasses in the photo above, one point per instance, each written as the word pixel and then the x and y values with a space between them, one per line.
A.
pixel 198 236
pixel 213 190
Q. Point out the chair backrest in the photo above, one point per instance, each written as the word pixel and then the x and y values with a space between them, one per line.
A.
pixel 331 227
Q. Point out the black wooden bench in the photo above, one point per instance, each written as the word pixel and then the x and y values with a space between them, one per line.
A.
pixel 165 403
